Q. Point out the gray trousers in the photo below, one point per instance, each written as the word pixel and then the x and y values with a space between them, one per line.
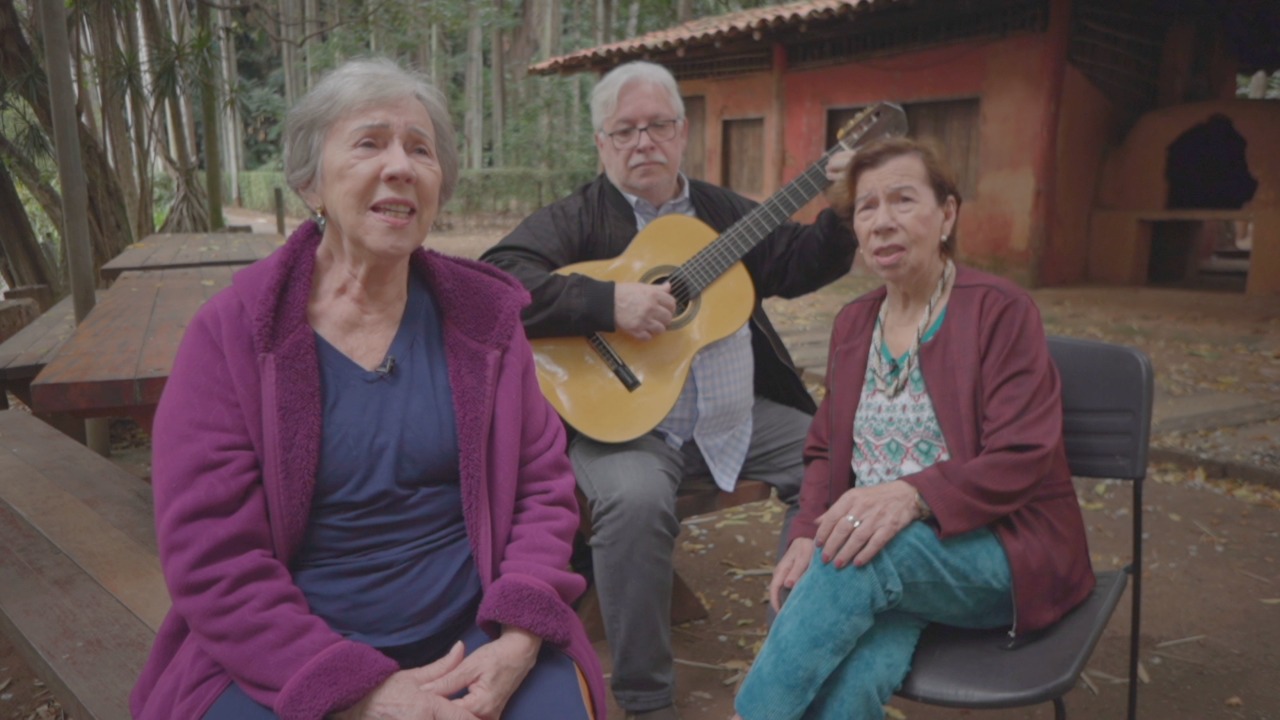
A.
pixel 631 488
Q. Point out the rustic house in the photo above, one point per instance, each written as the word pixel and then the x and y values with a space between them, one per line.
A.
pixel 1081 129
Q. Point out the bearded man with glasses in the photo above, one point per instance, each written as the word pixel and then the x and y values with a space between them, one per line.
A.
pixel 743 410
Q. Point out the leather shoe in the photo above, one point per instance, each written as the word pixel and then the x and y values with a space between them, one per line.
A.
pixel 666 713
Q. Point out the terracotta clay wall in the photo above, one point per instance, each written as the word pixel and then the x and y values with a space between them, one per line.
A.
pixel 1008 76
pixel 997 227
pixel 1087 127
pixel 738 98
pixel 1133 190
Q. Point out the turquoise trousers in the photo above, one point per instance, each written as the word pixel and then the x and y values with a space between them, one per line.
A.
pixel 843 642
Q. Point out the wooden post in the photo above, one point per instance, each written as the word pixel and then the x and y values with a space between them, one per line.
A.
pixel 279 211
pixel 75 192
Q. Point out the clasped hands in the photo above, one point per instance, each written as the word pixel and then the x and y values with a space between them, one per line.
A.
pixel 490 675
pixel 856 527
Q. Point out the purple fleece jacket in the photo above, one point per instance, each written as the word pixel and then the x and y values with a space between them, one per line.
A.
pixel 998 400
pixel 236 445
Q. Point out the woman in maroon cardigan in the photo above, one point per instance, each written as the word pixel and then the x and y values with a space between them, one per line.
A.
pixel 936 486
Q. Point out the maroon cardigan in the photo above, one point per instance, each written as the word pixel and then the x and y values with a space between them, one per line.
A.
pixel 998 400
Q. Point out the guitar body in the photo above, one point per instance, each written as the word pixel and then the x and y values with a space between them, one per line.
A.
pixel 613 388
pixel 580 383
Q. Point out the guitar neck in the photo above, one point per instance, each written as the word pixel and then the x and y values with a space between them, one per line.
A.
pixel 721 254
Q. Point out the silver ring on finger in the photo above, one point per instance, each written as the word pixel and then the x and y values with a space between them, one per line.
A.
pixel 855 522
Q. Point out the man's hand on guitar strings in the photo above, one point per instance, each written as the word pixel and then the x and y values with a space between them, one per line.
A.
pixel 641 310
pixel 838 165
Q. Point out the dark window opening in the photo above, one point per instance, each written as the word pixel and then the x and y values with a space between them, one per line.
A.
pixel 1206 169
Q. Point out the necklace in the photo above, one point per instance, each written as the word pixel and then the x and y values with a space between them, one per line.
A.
pixel 889 376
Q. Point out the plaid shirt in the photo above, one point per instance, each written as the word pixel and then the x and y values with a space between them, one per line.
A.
pixel 714 407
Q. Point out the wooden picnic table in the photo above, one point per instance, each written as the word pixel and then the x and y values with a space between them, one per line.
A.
pixel 118 359
pixel 25 354
pixel 181 250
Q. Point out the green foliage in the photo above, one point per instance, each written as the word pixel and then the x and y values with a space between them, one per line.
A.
pixel 517 191
pixel 258 193
pixel 491 191
pixel 262 111
pixel 1273 86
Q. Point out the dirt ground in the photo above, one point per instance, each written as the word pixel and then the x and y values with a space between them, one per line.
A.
pixel 1211 607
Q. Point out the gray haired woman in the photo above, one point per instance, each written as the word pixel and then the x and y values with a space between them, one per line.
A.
pixel 364 508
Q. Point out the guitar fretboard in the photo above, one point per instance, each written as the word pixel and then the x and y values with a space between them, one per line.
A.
pixel 713 260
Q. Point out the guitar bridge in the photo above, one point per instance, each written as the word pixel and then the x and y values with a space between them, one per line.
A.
pixel 614 362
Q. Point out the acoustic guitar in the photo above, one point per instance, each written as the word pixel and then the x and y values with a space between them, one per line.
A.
pixel 612 387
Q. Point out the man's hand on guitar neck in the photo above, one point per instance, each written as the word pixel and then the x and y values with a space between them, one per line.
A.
pixel 839 164
pixel 641 310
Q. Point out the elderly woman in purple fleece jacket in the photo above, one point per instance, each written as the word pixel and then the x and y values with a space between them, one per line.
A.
pixel 363 504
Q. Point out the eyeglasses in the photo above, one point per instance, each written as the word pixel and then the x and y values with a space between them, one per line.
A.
pixel 659 131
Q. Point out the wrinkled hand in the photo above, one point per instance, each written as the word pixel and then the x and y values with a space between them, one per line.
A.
pixel 882 512
pixel 491 674
pixel 839 164
pixel 789 569
pixel 401 696
pixel 641 310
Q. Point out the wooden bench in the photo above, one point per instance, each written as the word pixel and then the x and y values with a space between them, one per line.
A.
pixel 698 496
pixel 24 355
pixel 81 593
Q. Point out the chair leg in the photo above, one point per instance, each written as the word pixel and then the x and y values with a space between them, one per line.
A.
pixel 1059 709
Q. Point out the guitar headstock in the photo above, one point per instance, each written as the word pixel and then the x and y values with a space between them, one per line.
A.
pixel 882 120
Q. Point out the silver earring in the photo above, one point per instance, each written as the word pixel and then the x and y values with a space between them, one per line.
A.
pixel 321 219
pixel 943 239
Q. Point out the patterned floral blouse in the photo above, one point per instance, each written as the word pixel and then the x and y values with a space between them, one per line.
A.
pixel 900 435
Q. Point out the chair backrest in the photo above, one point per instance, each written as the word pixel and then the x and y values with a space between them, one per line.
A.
pixel 1107 393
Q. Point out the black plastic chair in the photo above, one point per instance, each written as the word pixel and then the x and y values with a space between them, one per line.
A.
pixel 1106 395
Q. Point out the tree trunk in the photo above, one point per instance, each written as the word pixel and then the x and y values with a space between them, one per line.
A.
pixel 209 118
pixel 31 177
pixel 143 137
pixel 108 220
pixel 114 124
pixel 473 113
pixel 499 90
pixel 604 22
pixel 23 261
pixel 437 75
pixel 684 11
pixel 1258 85
pixel 311 14
pixel 180 29
pixel 551 33
pixel 232 133
pixel 90 101
pixel 525 45
pixel 188 212
pixel 633 19
pixel 288 51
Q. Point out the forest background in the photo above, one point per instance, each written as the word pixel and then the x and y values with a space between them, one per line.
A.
pixel 180 104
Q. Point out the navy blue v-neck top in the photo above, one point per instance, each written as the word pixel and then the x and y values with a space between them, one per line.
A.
pixel 386 560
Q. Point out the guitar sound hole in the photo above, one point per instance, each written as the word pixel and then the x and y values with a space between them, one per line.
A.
pixel 686 306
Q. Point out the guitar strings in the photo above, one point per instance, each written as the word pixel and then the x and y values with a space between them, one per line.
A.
pixel 713 260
